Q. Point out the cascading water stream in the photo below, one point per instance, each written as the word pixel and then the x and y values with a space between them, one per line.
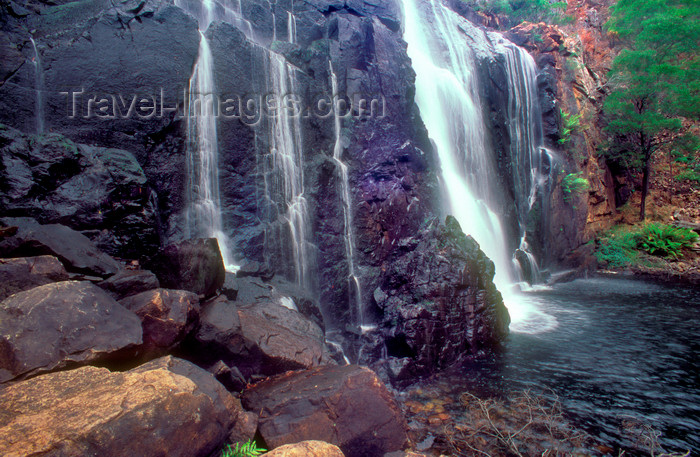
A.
pixel 447 96
pixel 285 185
pixel 39 88
pixel 291 27
pixel 203 214
pixel 531 162
pixel 354 286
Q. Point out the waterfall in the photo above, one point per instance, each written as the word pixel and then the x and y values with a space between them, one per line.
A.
pixel 447 96
pixel 203 213
pixel 442 46
pixel 292 27
pixel 284 180
pixel 354 286
pixel 39 88
pixel 531 162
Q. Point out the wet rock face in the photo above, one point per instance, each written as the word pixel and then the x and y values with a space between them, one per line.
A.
pixel 439 303
pixel 102 192
pixel 91 411
pixel 63 324
pixel 194 265
pixel 347 406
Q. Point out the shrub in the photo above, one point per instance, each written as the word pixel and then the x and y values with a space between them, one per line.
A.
pixel 665 240
pixel 574 184
pixel 617 249
pixel 570 122
pixel 248 449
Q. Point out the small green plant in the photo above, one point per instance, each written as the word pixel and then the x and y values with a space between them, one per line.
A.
pixel 665 240
pixel 247 449
pixel 570 122
pixel 617 248
pixel 574 184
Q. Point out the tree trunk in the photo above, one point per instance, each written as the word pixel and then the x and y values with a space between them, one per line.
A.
pixel 645 188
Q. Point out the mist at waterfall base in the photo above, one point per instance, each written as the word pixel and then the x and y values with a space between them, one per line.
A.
pixel 623 356
pixel 447 94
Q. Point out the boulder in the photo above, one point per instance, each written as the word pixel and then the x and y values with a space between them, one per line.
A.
pixel 129 282
pixel 310 448
pixel 62 324
pixel 165 407
pixel 260 338
pixel 439 304
pixel 344 405
pixel 25 273
pixel 77 253
pixel 167 316
pixel 194 265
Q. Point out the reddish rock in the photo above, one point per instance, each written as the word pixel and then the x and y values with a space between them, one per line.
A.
pixel 17 275
pixel 168 407
pixel 261 338
pixel 62 324
pixel 167 316
pixel 309 448
pixel 344 405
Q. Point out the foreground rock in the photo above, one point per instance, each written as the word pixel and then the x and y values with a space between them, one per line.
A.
pixel 309 448
pixel 77 253
pixel 62 324
pixel 167 316
pixel 194 265
pixel 261 338
pixel 347 406
pixel 129 282
pixel 167 407
pixel 25 273
pixel 439 304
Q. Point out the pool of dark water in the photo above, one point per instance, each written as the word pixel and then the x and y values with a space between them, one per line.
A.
pixel 620 355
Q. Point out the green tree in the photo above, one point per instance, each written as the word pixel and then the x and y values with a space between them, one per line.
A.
pixel 654 80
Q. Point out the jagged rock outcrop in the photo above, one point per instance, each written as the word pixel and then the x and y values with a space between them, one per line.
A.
pixel 439 303
pixel 347 406
pixel 60 325
pixel 102 192
pixel 165 407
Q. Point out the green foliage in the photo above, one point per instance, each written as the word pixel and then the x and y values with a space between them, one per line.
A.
pixel 574 184
pixel 525 10
pixel 617 249
pixel 248 449
pixel 665 240
pixel 622 248
pixel 654 81
pixel 570 123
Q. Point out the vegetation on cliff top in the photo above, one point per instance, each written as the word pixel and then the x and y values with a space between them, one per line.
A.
pixel 654 81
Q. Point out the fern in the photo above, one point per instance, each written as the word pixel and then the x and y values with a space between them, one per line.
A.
pixel 247 449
